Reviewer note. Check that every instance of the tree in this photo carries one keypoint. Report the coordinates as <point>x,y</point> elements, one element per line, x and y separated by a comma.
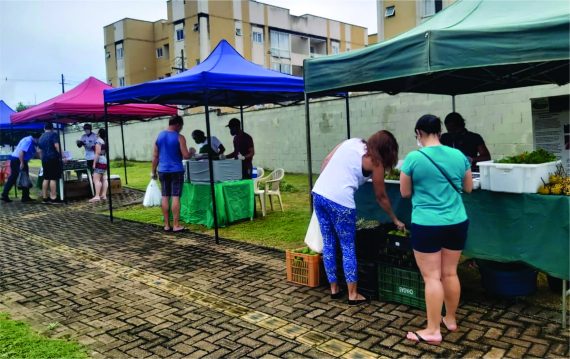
<point>21,107</point>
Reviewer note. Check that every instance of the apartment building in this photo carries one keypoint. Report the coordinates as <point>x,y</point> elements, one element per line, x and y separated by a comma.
<point>397,16</point>
<point>138,51</point>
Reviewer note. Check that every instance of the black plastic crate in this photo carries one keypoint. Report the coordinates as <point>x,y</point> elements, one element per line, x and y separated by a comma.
<point>369,242</point>
<point>367,277</point>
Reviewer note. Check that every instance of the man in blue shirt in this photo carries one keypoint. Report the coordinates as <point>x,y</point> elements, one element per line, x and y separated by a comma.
<point>50,153</point>
<point>24,152</point>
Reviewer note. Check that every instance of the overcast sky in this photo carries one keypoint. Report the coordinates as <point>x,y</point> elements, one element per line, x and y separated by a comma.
<point>42,39</point>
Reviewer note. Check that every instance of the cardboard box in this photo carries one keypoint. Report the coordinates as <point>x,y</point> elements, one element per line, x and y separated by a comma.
<point>77,189</point>
<point>116,186</point>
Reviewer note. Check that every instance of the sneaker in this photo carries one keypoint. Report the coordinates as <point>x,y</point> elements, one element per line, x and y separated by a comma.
<point>5,199</point>
<point>46,201</point>
<point>56,201</point>
<point>28,200</point>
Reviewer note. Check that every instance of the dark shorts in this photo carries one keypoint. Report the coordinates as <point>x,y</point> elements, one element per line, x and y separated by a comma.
<point>52,168</point>
<point>431,239</point>
<point>171,183</point>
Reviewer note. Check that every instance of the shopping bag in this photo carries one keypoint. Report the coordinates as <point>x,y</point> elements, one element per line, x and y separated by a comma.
<point>24,180</point>
<point>152,196</point>
<point>314,238</point>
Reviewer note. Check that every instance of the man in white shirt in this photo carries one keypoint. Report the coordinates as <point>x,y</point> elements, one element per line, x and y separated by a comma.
<point>217,148</point>
<point>88,142</point>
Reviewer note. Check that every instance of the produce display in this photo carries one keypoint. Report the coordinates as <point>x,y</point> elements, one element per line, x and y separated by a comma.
<point>558,183</point>
<point>306,250</point>
<point>534,157</point>
<point>397,232</point>
<point>393,174</point>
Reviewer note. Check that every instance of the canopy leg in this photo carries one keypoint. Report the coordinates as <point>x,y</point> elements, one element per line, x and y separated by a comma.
<point>309,158</point>
<point>211,168</point>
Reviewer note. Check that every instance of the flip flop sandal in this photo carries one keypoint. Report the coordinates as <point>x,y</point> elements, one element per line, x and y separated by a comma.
<point>338,294</point>
<point>169,229</point>
<point>419,339</point>
<point>178,230</point>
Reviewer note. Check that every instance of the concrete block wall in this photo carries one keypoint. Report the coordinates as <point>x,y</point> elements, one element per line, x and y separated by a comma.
<point>503,118</point>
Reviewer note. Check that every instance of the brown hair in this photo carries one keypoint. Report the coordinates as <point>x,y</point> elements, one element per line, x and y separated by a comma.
<point>382,148</point>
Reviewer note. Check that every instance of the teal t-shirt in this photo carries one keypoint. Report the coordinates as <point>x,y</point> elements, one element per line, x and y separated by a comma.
<point>434,201</point>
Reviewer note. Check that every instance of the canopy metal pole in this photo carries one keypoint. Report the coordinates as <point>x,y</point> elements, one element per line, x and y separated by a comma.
<point>309,158</point>
<point>63,132</point>
<point>211,167</point>
<point>124,156</point>
<point>347,117</point>
<point>241,116</point>
<point>108,155</point>
<point>453,102</point>
<point>62,194</point>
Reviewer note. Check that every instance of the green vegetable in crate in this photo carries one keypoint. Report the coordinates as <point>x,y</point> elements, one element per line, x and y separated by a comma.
<point>534,157</point>
<point>394,174</point>
<point>399,233</point>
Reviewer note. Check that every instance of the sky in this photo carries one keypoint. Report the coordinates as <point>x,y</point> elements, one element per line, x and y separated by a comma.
<point>42,39</point>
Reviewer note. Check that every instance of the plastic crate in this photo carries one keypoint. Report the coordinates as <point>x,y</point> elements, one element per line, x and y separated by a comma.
<point>404,286</point>
<point>303,269</point>
<point>367,277</point>
<point>507,279</point>
<point>514,178</point>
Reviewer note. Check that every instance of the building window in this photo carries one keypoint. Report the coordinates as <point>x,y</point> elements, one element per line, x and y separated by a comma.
<point>390,11</point>
<point>166,51</point>
<point>179,34</point>
<point>257,37</point>
<point>121,81</point>
<point>335,47</point>
<point>107,55</point>
<point>280,44</point>
<point>120,52</point>
<point>159,52</point>
<point>283,68</point>
<point>430,7</point>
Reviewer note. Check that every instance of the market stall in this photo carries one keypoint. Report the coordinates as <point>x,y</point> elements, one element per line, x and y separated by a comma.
<point>224,78</point>
<point>84,103</point>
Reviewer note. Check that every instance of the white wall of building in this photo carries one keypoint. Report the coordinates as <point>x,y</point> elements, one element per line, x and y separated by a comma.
<point>503,118</point>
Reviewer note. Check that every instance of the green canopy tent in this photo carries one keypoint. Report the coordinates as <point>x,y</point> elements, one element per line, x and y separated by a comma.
<point>471,46</point>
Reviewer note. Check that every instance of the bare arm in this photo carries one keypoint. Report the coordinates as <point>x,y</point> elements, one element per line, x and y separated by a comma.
<point>329,156</point>
<point>154,160</point>
<point>183,148</point>
<point>405,185</point>
<point>382,197</point>
<point>221,149</point>
<point>97,154</point>
<point>468,181</point>
<point>250,153</point>
<point>484,154</point>
<point>21,157</point>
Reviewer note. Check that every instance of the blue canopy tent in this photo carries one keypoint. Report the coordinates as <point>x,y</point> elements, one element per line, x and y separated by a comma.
<point>225,78</point>
<point>6,125</point>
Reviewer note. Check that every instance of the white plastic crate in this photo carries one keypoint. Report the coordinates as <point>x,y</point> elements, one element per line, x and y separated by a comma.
<point>514,178</point>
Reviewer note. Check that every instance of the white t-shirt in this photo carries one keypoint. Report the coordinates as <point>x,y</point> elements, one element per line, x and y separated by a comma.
<point>89,145</point>
<point>215,144</point>
<point>343,174</point>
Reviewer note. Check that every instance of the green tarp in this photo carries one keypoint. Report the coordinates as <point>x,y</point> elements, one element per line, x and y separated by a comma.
<point>234,201</point>
<point>471,46</point>
<point>503,227</point>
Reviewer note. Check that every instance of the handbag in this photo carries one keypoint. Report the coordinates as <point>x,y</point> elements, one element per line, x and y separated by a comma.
<point>443,173</point>
<point>314,238</point>
<point>24,181</point>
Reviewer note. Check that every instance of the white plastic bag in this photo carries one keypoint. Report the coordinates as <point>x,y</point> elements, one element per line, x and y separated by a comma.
<point>152,196</point>
<point>314,238</point>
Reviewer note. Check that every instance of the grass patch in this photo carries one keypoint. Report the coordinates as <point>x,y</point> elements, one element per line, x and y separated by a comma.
<point>18,340</point>
<point>282,230</point>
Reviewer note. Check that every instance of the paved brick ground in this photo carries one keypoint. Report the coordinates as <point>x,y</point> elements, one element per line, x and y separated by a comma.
<point>127,290</point>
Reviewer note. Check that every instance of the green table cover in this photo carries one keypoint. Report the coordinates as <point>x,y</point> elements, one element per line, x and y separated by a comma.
<point>504,227</point>
<point>234,201</point>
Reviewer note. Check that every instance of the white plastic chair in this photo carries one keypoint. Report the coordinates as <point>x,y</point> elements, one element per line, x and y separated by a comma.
<point>257,191</point>
<point>272,182</point>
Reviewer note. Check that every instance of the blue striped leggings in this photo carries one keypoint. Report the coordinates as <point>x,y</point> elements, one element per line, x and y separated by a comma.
<point>337,222</point>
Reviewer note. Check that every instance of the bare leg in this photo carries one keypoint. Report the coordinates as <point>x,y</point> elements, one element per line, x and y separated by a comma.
<point>104,186</point>
<point>430,266</point>
<point>45,185</point>
<point>334,288</point>
<point>353,291</point>
<point>53,189</point>
<point>97,184</point>
<point>176,214</point>
<point>165,212</point>
<point>451,285</point>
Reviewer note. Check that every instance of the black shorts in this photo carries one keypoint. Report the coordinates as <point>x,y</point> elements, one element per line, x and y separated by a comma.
<point>171,183</point>
<point>52,169</point>
<point>431,239</point>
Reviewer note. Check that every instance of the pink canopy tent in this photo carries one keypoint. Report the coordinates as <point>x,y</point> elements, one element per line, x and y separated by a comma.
<point>85,103</point>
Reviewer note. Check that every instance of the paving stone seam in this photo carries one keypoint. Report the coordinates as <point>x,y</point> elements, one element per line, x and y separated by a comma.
<point>308,336</point>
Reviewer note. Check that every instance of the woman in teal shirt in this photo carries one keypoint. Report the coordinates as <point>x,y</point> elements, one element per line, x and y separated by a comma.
<point>434,177</point>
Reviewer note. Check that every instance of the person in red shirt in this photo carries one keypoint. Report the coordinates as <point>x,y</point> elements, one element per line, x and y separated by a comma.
<point>243,147</point>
